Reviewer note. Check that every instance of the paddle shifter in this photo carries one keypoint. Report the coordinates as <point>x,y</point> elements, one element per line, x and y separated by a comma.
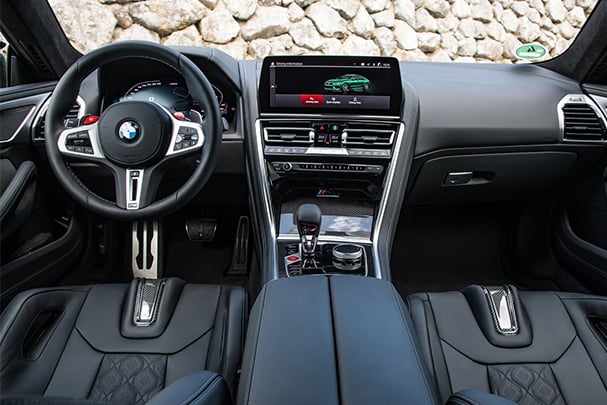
<point>308,218</point>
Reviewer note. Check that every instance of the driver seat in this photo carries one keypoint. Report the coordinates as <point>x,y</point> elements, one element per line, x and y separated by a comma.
<point>123,343</point>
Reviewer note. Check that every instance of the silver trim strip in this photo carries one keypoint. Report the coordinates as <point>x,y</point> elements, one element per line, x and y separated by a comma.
<point>20,127</point>
<point>578,99</point>
<point>330,116</point>
<point>133,203</point>
<point>387,194</point>
<point>327,239</point>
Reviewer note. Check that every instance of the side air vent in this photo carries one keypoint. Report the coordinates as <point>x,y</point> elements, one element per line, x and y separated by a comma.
<point>373,135</point>
<point>581,120</point>
<point>75,112</point>
<point>291,133</point>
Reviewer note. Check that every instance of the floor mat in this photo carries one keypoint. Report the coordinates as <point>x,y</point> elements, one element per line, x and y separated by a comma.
<point>444,248</point>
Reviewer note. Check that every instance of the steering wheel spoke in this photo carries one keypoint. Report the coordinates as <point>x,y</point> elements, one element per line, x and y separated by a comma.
<point>81,142</point>
<point>186,137</point>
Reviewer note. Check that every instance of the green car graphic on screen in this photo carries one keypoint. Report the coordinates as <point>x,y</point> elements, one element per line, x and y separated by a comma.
<point>349,82</point>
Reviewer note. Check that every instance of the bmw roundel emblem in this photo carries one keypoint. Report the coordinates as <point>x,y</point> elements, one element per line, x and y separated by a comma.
<point>129,131</point>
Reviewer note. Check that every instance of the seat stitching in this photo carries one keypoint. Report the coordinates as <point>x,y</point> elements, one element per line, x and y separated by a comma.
<point>412,345</point>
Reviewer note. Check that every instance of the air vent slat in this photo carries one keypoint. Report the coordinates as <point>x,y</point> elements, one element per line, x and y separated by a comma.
<point>581,122</point>
<point>292,133</point>
<point>73,113</point>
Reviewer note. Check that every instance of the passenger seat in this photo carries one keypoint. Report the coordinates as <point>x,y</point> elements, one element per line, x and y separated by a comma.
<point>530,347</point>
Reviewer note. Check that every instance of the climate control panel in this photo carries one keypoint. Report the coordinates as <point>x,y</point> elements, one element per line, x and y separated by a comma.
<point>285,167</point>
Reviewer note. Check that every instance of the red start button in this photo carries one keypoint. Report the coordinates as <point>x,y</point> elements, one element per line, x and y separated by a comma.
<point>311,100</point>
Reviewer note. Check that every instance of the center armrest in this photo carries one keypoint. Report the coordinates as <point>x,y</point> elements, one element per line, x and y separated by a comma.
<point>331,340</point>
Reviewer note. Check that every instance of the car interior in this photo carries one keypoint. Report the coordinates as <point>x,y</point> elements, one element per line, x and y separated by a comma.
<point>178,226</point>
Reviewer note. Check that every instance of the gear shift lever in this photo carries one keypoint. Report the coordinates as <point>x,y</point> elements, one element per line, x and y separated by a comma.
<point>308,218</point>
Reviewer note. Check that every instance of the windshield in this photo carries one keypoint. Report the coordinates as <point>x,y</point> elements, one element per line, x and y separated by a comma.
<point>502,31</point>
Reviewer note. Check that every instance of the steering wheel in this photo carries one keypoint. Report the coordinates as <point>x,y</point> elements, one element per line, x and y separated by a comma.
<point>135,140</point>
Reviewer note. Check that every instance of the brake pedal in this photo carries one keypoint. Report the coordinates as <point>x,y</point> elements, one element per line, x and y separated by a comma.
<point>201,230</point>
<point>240,256</point>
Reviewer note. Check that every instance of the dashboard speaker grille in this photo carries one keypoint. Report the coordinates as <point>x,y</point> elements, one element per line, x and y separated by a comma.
<point>581,122</point>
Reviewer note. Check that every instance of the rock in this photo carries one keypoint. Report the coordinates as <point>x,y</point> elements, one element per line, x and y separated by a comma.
<point>534,16</point>
<point>296,13</point>
<point>528,31</point>
<point>405,36</point>
<point>331,46</point>
<point>138,32</point>
<point>538,5</point>
<point>374,6</point>
<point>569,4</point>
<point>383,18</point>
<point>566,30</point>
<point>166,16</point>
<point>496,31</point>
<point>489,48</point>
<point>506,3</point>
<point>355,45</point>
<point>576,17</point>
<point>305,3</point>
<point>281,44</point>
<point>259,48</point>
<point>556,11</point>
<point>123,18</point>
<point>236,49</point>
<point>509,21</point>
<point>414,56</point>
<point>498,11</point>
<point>520,8</point>
<point>461,9</point>
<point>304,34</point>
<point>209,3</point>
<point>428,41</point>
<point>186,37</point>
<point>548,39</point>
<point>418,3</point>
<point>346,8</point>
<point>482,11</point>
<point>440,55</point>
<point>437,8</point>
<point>447,24</point>
<point>561,46</point>
<point>470,28</point>
<point>449,43</point>
<point>424,21</point>
<point>385,41</point>
<point>87,24</point>
<point>242,9</point>
<point>547,24</point>
<point>267,22</point>
<point>328,21</point>
<point>466,47</point>
<point>219,27</point>
<point>269,2</point>
<point>362,24</point>
<point>585,3</point>
<point>405,10</point>
<point>510,44</point>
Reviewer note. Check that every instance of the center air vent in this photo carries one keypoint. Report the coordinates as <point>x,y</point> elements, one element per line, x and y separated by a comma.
<point>369,135</point>
<point>291,133</point>
<point>581,121</point>
<point>76,112</point>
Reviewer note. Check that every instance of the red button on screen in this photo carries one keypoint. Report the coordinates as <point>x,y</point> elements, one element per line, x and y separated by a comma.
<point>311,100</point>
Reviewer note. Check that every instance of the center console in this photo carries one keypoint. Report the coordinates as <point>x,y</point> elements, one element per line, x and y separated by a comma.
<point>329,135</point>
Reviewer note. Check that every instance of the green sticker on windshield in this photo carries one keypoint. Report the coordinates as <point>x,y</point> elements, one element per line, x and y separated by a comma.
<point>530,51</point>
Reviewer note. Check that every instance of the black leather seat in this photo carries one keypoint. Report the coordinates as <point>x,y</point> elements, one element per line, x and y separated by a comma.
<point>124,343</point>
<point>530,347</point>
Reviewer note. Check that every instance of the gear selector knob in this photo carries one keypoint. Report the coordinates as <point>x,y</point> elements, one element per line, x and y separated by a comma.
<point>308,218</point>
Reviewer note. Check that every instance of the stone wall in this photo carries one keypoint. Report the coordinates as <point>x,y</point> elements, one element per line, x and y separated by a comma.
<point>436,30</point>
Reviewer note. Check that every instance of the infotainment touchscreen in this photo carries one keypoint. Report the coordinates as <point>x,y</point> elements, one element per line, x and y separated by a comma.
<point>330,84</point>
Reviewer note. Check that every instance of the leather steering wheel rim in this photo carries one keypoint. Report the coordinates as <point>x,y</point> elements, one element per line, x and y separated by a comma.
<point>65,94</point>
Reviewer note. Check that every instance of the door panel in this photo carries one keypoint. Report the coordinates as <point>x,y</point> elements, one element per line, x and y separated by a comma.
<point>40,238</point>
